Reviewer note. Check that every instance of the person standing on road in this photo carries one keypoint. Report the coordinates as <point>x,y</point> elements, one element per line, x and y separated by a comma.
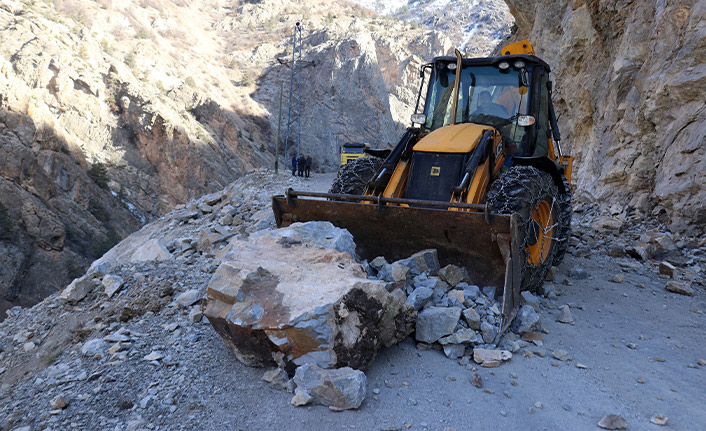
<point>294,164</point>
<point>307,166</point>
<point>301,162</point>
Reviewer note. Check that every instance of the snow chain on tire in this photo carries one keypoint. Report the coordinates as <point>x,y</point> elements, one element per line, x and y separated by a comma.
<point>354,176</point>
<point>530,193</point>
<point>565,210</point>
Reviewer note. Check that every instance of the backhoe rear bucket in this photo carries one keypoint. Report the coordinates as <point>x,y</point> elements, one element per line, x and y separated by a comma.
<point>486,245</point>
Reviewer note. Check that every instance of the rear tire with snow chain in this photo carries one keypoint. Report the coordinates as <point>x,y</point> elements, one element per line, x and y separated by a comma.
<point>565,210</point>
<point>354,176</point>
<point>531,194</point>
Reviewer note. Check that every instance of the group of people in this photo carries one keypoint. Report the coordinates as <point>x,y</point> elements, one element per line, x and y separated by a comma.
<point>301,165</point>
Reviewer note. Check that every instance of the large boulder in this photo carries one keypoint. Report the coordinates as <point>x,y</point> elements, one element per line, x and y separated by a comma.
<point>305,296</point>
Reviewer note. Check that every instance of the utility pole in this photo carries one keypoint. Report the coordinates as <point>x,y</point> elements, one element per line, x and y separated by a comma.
<point>295,100</point>
<point>279,126</point>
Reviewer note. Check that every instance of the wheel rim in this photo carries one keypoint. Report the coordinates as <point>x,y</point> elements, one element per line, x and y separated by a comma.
<point>543,218</point>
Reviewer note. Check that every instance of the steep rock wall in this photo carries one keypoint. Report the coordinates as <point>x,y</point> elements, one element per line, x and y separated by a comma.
<point>630,78</point>
<point>361,88</point>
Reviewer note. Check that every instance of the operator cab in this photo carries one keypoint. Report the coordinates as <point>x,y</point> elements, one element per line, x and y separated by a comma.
<point>508,93</point>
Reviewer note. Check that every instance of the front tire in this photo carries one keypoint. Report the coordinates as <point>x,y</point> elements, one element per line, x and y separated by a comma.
<point>565,210</point>
<point>532,194</point>
<point>353,177</point>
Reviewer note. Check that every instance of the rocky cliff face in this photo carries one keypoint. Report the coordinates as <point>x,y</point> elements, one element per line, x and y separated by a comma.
<point>174,111</point>
<point>54,219</point>
<point>86,84</point>
<point>360,89</point>
<point>630,77</point>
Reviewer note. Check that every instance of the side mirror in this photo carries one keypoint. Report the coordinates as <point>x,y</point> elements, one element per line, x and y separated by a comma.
<point>419,119</point>
<point>524,78</point>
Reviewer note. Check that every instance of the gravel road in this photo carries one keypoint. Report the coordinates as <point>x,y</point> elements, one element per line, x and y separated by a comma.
<point>634,351</point>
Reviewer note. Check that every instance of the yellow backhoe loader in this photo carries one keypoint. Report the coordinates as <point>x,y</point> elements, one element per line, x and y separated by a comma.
<point>479,176</point>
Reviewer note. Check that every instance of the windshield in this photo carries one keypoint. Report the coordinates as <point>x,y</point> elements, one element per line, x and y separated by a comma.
<point>487,95</point>
<point>353,148</point>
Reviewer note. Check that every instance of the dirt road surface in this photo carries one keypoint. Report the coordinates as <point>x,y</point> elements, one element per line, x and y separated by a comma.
<point>634,351</point>
<point>621,333</point>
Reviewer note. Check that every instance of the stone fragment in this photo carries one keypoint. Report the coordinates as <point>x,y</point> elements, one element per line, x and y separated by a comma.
<point>151,250</point>
<point>527,320</point>
<point>578,273</point>
<point>458,294</point>
<point>112,284</point>
<point>551,274</point>
<point>529,299</point>
<point>301,398</point>
<point>314,303</point>
<point>277,377</point>
<point>702,362</point>
<point>477,380</point>
<point>438,298</point>
<point>196,314</point>
<point>489,291</point>
<point>396,273</point>
<point>94,347</point>
<point>434,283</point>
<point>659,420</point>
<point>99,270</point>
<point>419,297</point>
<point>342,388</point>
<point>29,346</point>
<point>667,269</point>
<point>188,298</point>
<point>436,322</point>
<point>470,293</point>
<point>616,251</point>
<point>207,239</point>
<point>618,278</point>
<point>154,356</point>
<point>59,402</point>
<point>561,355</point>
<point>484,357</point>
<point>679,287</point>
<point>565,315</point>
<point>613,422</point>
<point>78,289</point>
<point>489,332</point>
<point>472,318</point>
<point>608,224</point>
<point>425,261</point>
<point>640,251</point>
<point>453,275</point>
<point>212,198</point>
<point>378,263</point>
<point>454,351</point>
<point>462,336</point>
<point>115,348</point>
<point>116,337</point>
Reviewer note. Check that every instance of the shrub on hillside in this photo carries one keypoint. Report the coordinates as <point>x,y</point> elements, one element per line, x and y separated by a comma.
<point>5,224</point>
<point>99,174</point>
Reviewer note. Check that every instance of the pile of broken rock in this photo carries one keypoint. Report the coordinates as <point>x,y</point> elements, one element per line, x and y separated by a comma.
<point>298,299</point>
<point>455,315</point>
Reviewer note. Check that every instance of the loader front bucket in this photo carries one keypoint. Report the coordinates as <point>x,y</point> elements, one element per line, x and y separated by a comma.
<point>486,245</point>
